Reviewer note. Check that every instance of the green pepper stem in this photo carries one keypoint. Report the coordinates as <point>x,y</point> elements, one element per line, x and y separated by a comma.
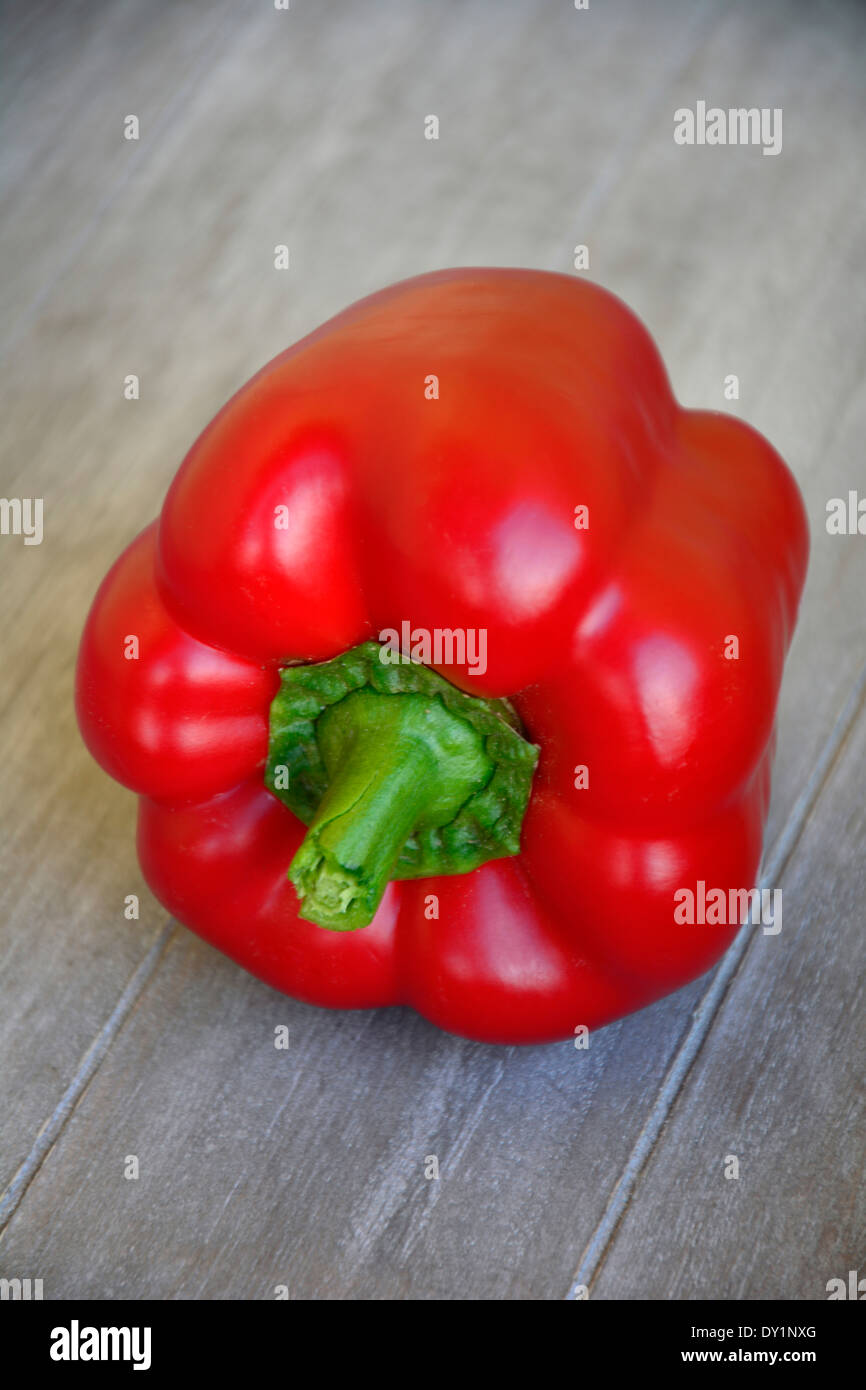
<point>395,763</point>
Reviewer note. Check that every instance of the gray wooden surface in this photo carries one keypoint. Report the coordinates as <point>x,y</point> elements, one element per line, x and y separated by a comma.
<point>559,1168</point>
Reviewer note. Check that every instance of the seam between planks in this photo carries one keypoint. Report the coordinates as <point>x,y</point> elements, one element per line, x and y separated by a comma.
<point>87,1069</point>
<point>602,1238</point>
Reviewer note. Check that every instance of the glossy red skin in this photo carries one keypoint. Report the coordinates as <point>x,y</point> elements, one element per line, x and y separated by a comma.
<point>449,513</point>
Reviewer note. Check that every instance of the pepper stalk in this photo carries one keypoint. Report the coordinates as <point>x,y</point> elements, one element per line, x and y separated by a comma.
<point>397,773</point>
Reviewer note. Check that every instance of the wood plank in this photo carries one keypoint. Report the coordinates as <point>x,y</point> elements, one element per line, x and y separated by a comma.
<point>71,73</point>
<point>316,1179</point>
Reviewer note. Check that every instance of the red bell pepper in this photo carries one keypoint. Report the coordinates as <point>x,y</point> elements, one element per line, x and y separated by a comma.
<point>452,658</point>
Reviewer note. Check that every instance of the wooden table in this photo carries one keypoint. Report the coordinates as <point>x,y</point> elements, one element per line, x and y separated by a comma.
<point>155,257</point>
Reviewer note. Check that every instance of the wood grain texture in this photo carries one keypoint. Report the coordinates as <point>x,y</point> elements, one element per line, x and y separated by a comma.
<point>71,74</point>
<point>780,1086</point>
<point>306,1168</point>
